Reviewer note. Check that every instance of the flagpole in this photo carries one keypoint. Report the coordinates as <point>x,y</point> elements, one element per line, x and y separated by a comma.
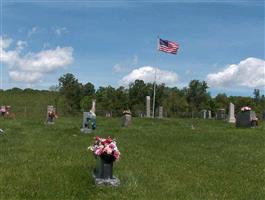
<point>1,7</point>
<point>154,96</point>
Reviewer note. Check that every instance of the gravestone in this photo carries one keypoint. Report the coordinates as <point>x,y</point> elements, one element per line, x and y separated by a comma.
<point>126,118</point>
<point>246,119</point>
<point>160,112</point>
<point>108,114</point>
<point>93,108</point>
<point>148,106</point>
<point>220,114</point>
<point>103,173</point>
<point>89,122</point>
<point>89,119</point>
<point>209,114</point>
<point>51,113</point>
<point>204,114</point>
<point>231,114</point>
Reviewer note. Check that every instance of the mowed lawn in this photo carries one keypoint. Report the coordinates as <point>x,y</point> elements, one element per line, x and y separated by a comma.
<point>160,159</point>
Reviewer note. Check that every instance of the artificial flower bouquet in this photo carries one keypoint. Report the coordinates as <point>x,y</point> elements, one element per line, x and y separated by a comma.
<point>106,149</point>
<point>245,108</point>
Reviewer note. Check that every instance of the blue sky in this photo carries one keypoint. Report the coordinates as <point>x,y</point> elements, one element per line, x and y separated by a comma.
<point>113,42</point>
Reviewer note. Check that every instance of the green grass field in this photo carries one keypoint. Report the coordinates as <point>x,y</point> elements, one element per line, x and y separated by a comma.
<point>161,159</point>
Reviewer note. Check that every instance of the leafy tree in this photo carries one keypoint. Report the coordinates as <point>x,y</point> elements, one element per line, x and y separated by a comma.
<point>137,95</point>
<point>175,104</point>
<point>86,103</point>
<point>121,99</point>
<point>71,90</point>
<point>197,94</point>
<point>88,89</point>
<point>221,100</point>
<point>105,99</point>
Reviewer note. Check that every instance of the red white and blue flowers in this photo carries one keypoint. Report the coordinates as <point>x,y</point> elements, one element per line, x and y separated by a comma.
<point>105,147</point>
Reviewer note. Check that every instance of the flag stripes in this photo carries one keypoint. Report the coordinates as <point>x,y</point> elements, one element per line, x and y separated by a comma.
<point>168,46</point>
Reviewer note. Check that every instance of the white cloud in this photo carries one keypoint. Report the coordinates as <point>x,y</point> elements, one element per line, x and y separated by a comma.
<point>21,45</point>
<point>147,74</point>
<point>30,67</point>
<point>27,77</point>
<point>60,30</point>
<point>46,60</point>
<point>118,68</point>
<point>5,42</point>
<point>32,31</point>
<point>248,73</point>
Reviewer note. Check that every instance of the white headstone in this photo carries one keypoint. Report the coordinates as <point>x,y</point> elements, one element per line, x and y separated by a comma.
<point>204,114</point>
<point>148,106</point>
<point>160,112</point>
<point>231,114</point>
<point>93,108</point>
<point>209,114</point>
<point>88,121</point>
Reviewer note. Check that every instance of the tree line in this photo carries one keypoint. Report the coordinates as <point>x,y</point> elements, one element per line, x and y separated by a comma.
<point>70,96</point>
<point>176,102</point>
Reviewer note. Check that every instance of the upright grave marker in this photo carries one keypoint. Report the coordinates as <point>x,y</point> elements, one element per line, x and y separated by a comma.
<point>209,114</point>
<point>148,106</point>
<point>204,114</point>
<point>106,152</point>
<point>231,114</point>
<point>221,114</point>
<point>246,118</point>
<point>160,112</point>
<point>89,119</point>
<point>126,118</point>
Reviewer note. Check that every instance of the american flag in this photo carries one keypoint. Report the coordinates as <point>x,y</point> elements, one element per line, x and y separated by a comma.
<point>168,46</point>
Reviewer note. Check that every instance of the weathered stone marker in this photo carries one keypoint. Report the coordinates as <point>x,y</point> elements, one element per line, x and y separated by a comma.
<point>220,114</point>
<point>246,119</point>
<point>204,112</point>
<point>231,114</point>
<point>89,119</point>
<point>126,118</point>
<point>160,112</point>
<point>209,114</point>
<point>148,106</point>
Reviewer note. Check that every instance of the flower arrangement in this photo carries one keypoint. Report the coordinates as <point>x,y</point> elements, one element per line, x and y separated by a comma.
<point>245,108</point>
<point>105,148</point>
<point>52,114</point>
<point>126,112</point>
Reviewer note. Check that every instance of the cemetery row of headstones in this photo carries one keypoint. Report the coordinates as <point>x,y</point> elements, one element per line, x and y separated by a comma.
<point>148,109</point>
<point>245,118</point>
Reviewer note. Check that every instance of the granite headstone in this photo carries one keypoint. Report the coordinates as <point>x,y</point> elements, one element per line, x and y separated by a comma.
<point>148,106</point>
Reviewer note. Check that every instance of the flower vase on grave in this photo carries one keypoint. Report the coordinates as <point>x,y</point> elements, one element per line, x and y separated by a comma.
<point>106,153</point>
<point>104,168</point>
